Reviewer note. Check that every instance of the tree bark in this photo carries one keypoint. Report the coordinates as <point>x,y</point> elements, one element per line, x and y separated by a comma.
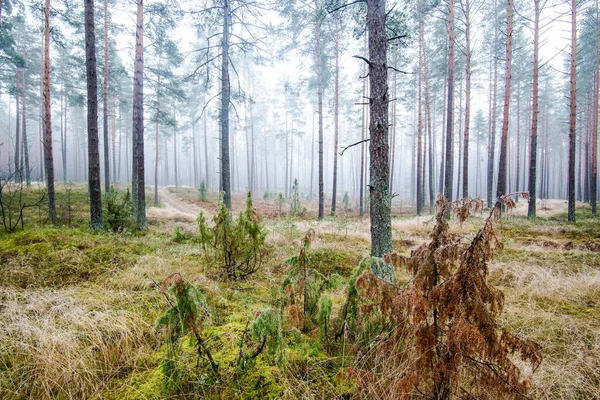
<point>336,109</point>
<point>48,154</point>
<point>594,144</point>
<point>138,179</point>
<point>573,113</point>
<point>420,116</point>
<point>449,159</point>
<point>362,138</point>
<point>24,133</point>
<point>465,166</point>
<point>225,100</point>
<point>92,119</point>
<point>320,107</point>
<point>502,169</point>
<point>381,223</point>
<point>492,133</point>
<point>105,103</point>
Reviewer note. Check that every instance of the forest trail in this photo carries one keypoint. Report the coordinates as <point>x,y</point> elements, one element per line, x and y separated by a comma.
<point>178,206</point>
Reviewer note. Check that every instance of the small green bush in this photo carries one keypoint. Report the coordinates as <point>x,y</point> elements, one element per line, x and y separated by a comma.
<point>237,248</point>
<point>118,213</point>
<point>203,192</point>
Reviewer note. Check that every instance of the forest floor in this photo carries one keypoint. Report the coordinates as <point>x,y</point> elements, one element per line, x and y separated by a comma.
<point>78,309</point>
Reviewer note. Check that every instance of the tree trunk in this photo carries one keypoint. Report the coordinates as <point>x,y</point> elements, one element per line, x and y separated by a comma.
<point>48,154</point>
<point>156,150</point>
<point>573,113</point>
<point>105,103</point>
<point>442,143</point>
<point>449,159</point>
<point>381,223</point>
<point>138,179</point>
<point>225,100</point>
<point>594,144</point>
<point>429,131</point>
<point>336,110</point>
<point>24,133</point>
<point>195,151</point>
<point>362,138</point>
<point>319,107</point>
<point>206,173</point>
<point>465,166</point>
<point>492,133</point>
<point>175,163</point>
<point>92,118</point>
<point>17,159</point>
<point>420,116</point>
<point>502,169</point>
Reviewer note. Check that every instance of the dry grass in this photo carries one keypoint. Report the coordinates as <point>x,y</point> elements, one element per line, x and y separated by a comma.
<point>64,344</point>
<point>93,337</point>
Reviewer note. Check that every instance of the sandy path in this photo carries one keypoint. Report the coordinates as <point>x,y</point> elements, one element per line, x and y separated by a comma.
<point>173,204</point>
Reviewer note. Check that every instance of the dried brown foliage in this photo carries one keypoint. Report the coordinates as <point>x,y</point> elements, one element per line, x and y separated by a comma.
<point>446,341</point>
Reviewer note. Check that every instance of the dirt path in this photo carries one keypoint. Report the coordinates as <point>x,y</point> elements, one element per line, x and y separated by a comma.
<point>172,203</point>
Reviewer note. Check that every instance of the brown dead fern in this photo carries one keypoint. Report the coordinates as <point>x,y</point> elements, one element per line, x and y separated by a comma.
<point>446,341</point>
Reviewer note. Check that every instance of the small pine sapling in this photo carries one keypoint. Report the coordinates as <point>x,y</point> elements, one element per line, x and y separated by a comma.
<point>280,201</point>
<point>184,316</point>
<point>296,208</point>
<point>118,215</point>
<point>236,248</point>
<point>203,192</point>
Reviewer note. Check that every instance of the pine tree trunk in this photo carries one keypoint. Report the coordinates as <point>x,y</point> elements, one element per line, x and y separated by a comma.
<point>465,177</point>
<point>573,113</point>
<point>492,136</point>
<point>138,179</point>
<point>502,169</point>
<point>594,145</point>
<point>175,163</point>
<point>518,143</point>
<point>18,171</point>
<point>320,109</point>
<point>48,154</point>
<point>420,117</point>
<point>92,119</point>
<point>443,141</point>
<point>362,138</point>
<point>225,100</point>
<point>156,151</point>
<point>206,172</point>
<point>24,133</point>
<point>449,159</point>
<point>336,110</point>
<point>105,103</point>
<point>531,208</point>
<point>195,151</point>
<point>381,224</point>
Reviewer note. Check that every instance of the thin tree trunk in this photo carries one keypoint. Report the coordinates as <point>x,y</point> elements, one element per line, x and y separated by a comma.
<point>465,177</point>
<point>92,119</point>
<point>492,133</point>
<point>573,113</point>
<point>17,159</point>
<point>195,151</point>
<point>449,159</point>
<point>206,172</point>
<point>225,100</point>
<point>531,208</point>
<point>105,103</point>
<point>336,110</point>
<point>175,163</point>
<point>48,155</point>
<point>420,116</point>
<point>362,138</point>
<point>594,149</point>
<point>24,133</point>
<point>320,109</point>
<point>138,179</point>
<point>156,151</point>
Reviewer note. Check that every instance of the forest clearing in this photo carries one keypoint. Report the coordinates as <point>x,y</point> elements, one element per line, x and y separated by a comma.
<point>316,199</point>
<point>79,308</point>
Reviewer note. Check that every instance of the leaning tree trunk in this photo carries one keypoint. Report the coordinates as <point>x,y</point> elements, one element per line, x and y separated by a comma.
<point>48,154</point>
<point>225,100</point>
<point>92,118</point>
<point>449,159</point>
<point>381,223</point>
<point>573,113</point>
<point>138,180</point>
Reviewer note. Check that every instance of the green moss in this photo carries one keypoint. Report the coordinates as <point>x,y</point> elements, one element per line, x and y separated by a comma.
<point>329,261</point>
